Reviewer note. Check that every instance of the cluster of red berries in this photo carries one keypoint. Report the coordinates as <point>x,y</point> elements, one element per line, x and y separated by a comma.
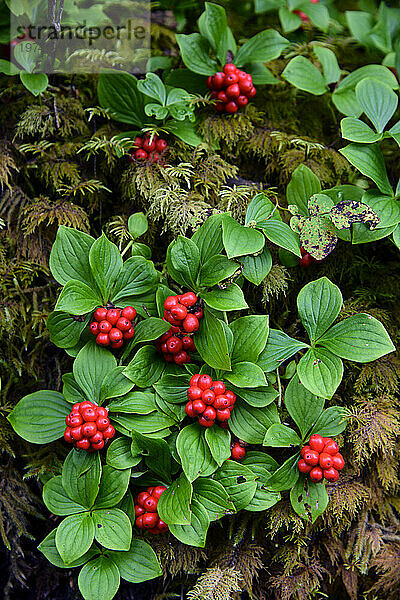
<point>238,450</point>
<point>112,326</point>
<point>146,510</point>
<point>88,427</point>
<point>321,459</point>
<point>150,148</point>
<point>306,259</point>
<point>183,312</point>
<point>209,400</point>
<point>231,88</point>
<point>305,18</point>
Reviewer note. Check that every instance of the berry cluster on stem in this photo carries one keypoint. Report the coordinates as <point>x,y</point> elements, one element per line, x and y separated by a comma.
<point>88,426</point>
<point>231,88</point>
<point>112,326</point>
<point>146,510</point>
<point>321,459</point>
<point>150,148</point>
<point>184,312</point>
<point>209,400</point>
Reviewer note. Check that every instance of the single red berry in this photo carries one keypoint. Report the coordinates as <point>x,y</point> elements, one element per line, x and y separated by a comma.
<point>89,429</point>
<point>224,425</point>
<point>150,504</point>
<point>76,433</point>
<point>154,157</point>
<point>304,450</point>
<point>189,410</point>
<point>331,448</point>
<point>161,526</point>
<point>209,82</point>
<point>199,313</point>
<point>105,326</point>
<point>94,328</point>
<point>221,402</point>
<point>230,79</point>
<point>208,397</point>
<point>113,315</point>
<point>166,336</point>
<point>117,345</point>
<point>181,358</point>
<point>123,324</point>
<point>89,414</point>
<point>311,457</point>
<point>331,474</point>
<point>129,313</point>
<point>154,530</point>
<point>231,107</point>
<point>224,414</point>
<point>109,432</point>
<point>198,407</point>
<point>237,452</point>
<point>102,411</point>
<point>150,520</point>
<point>252,92</point>
<point>194,393</point>
<point>222,97</point>
<point>194,380</point>
<point>100,314</point>
<point>128,335</point>
<point>190,323</point>
<point>161,145</point>
<point>188,299</point>
<point>179,312</point>
<point>303,251</point>
<point>115,335</point>
<point>316,474</point>
<point>149,145</point>
<point>218,387</point>
<point>325,460</point>
<point>138,142</point>
<point>87,404</point>
<point>229,68</point>
<point>316,442</point>
<point>204,423</point>
<point>303,466</point>
<point>139,522</point>
<point>174,345</point>
<point>188,344</point>
<point>209,414</point>
<point>142,497</point>
<point>170,302</point>
<point>102,423</point>
<point>140,155</point>
<point>233,91</point>
<point>76,406</point>
<point>67,435</point>
<point>231,396</point>
<point>103,339</point>
<point>97,437</point>
<point>218,80</point>
<point>245,86</point>
<point>83,444</point>
<point>150,490</point>
<point>338,461</point>
<point>139,510</point>
<point>327,440</point>
<point>75,420</point>
<point>204,382</point>
<point>220,107</point>
<point>242,101</point>
<point>158,490</point>
<point>305,261</point>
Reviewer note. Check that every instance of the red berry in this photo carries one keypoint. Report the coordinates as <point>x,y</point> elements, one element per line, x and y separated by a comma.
<point>209,82</point>
<point>75,420</point>
<point>97,437</point>
<point>129,313</point>
<point>230,79</point>
<point>113,315</point>
<point>139,510</point>
<point>123,324</point>
<point>242,101</point>
<point>150,520</point>
<point>161,145</point>
<point>102,412</point>
<point>237,452</point>
<point>158,490</point>
<point>181,358</point>
<point>194,393</point>
<point>117,345</point>
<point>67,435</point>
<point>179,312</point>
<point>170,302</point>
<point>188,344</point>
<point>304,450</point>
<point>303,252</point>
<point>229,68</point>
<point>105,326</point>
<point>102,423</point>
<point>233,91</point>
<point>109,432</point>
<point>83,444</point>
<point>305,261</point>
<point>231,396</point>
<point>224,425</point>
<point>316,442</point>
<point>204,382</point>
<point>331,474</point>
<point>115,335</point>
<point>128,335</point>
<point>198,407</point>
<point>199,313</point>
<point>103,339</point>
<point>89,429</point>
<point>204,423</point>
<point>174,345</point>
<point>142,497</point>
<point>221,402</point>
<point>154,157</point>
<point>303,466</point>
<point>209,414</point>
<point>140,155</point>
<point>89,414</point>
<point>161,526</point>
<point>218,80</point>
<point>252,92</point>
<point>222,97</point>
<point>338,461</point>
<point>76,433</point>
<point>218,387</point>
<point>138,142</point>
<point>100,314</point>
<point>311,457</point>
<point>316,474</point>
<point>231,107</point>
<point>194,380</point>
<point>86,404</point>
<point>220,107</point>
<point>150,504</point>
<point>139,522</point>
<point>148,145</point>
<point>224,414</point>
<point>208,397</point>
<point>191,323</point>
<point>188,299</point>
<point>168,357</point>
<point>165,336</point>
<point>245,86</point>
<point>94,327</point>
<point>325,460</point>
<point>189,410</point>
<point>331,447</point>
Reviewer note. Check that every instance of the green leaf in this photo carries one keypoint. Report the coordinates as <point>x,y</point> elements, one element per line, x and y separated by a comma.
<point>137,277</point>
<point>225,299</point>
<point>361,338</point>
<point>194,52</point>
<point>77,298</point>
<point>219,442</point>
<point>259,209</point>
<point>303,406</point>
<point>238,481</point>
<point>320,371</point>
<point>211,342</point>
<point>331,421</point>
<point>358,131</point>
<point>173,388</point>
<point>99,578</point>
<point>146,367</point>
<point>156,110</point>
<point>64,330</point>
<point>279,347</point>
<point>263,47</point>
<point>113,487</point>
<point>289,21</point>
<point>174,504</point>
<point>112,528</point>
<point>246,375</point>
<point>91,366</point>
<point>258,397</point>
<point>377,100</point>
<point>146,424</point>
<point>57,500</point>
<point>216,269</point>
<point>301,73</point>
<point>250,424</point>
<point>117,91</point>
<point>214,28</point>
<point>279,233</point>
<point>256,268</point>
<point>329,63</point>
<point>369,161</point>
<point>137,225</point>
<point>114,384</point>
<point>139,564</point>
<point>153,87</point>
<point>261,75</point>
<point>286,476</point>
<point>239,240</point>
<point>39,418</point>
<point>197,460</point>
<point>119,455</point>
<point>71,390</point>
<point>319,303</point>
<point>213,496</point>
<point>184,257</point>
<point>69,256</point>
<point>194,534</point>
<point>386,208</point>
<point>318,14</point>
<point>156,453</point>
<point>105,263</point>
<point>81,475</point>
<point>250,335</point>
<point>263,498</point>
<point>303,184</point>
<point>48,548</point>
<point>150,329</point>
<point>208,238</point>
<point>308,499</point>
<point>142,403</point>
<point>36,83</point>
<point>280,436</point>
<point>74,536</point>
<point>184,130</point>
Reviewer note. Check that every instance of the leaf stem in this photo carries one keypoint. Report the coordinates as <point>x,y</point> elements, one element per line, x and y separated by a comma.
<point>279,388</point>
